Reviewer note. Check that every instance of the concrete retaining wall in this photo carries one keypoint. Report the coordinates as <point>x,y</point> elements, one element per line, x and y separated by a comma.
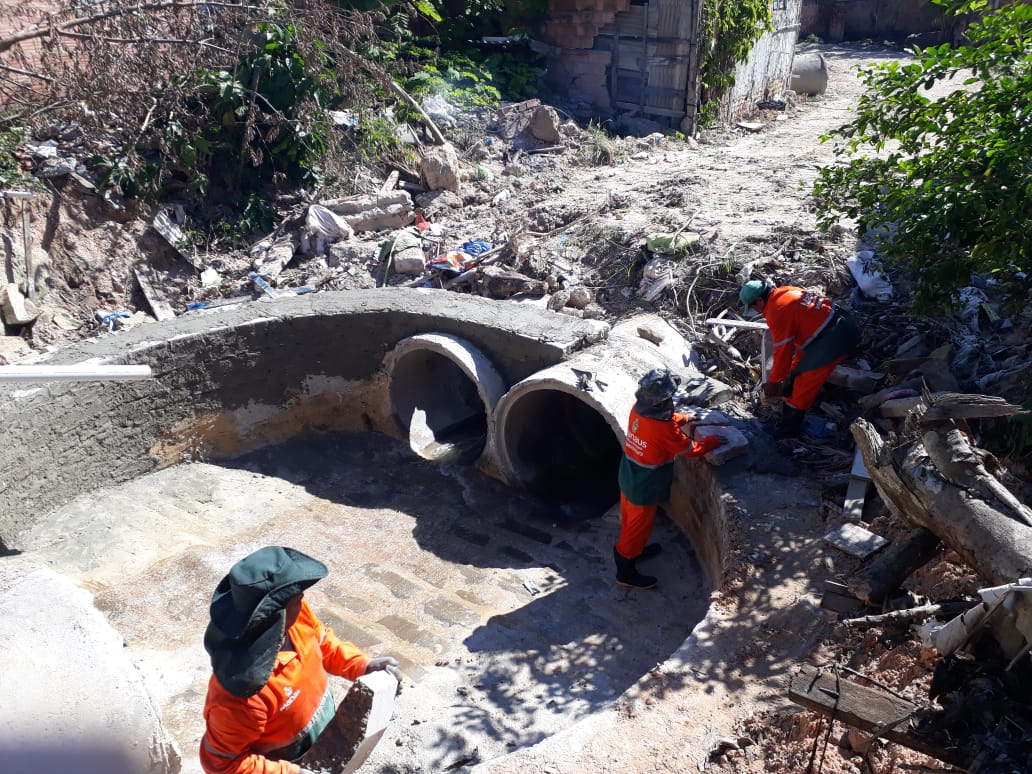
<point>231,380</point>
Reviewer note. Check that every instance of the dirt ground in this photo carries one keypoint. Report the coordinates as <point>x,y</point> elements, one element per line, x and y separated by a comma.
<point>576,225</point>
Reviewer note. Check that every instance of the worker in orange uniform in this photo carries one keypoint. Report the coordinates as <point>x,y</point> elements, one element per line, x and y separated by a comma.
<point>655,438</point>
<point>269,698</point>
<point>811,336</point>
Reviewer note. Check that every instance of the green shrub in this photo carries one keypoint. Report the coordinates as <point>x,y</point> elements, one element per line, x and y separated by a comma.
<point>945,183</point>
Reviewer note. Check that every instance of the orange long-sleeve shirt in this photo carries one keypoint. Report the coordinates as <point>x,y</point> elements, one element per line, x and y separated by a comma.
<point>241,731</point>
<point>795,317</point>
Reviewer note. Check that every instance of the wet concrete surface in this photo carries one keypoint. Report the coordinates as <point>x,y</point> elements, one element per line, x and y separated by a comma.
<point>499,606</point>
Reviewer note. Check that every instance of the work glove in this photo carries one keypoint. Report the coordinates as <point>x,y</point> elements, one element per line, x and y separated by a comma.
<point>772,389</point>
<point>387,664</point>
<point>710,442</point>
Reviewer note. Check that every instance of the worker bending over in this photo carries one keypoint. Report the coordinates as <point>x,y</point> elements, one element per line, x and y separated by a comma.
<point>811,336</point>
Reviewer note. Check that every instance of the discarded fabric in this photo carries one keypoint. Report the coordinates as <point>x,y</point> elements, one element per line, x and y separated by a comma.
<point>112,320</point>
<point>476,247</point>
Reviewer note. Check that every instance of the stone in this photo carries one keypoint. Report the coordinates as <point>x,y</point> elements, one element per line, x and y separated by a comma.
<point>16,309</point>
<point>13,348</point>
<point>439,168</point>
<point>374,213</point>
<point>704,391</point>
<point>544,125</point>
<point>580,297</point>
<point>357,726</point>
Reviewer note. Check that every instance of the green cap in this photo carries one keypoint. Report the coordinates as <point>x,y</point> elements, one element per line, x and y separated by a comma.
<point>750,291</point>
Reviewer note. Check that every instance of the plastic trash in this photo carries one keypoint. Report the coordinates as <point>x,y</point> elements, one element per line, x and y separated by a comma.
<point>657,275</point>
<point>869,277</point>
<point>112,320</point>
<point>321,221</point>
<point>815,427</point>
<point>439,109</point>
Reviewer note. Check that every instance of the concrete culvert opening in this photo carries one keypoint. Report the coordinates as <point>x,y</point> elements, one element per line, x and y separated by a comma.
<point>441,391</point>
<point>563,450</point>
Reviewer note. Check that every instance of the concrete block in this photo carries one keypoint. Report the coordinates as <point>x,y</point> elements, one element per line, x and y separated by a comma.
<point>357,726</point>
<point>707,416</point>
<point>735,443</point>
<point>855,378</point>
<point>855,540</point>
<point>16,309</point>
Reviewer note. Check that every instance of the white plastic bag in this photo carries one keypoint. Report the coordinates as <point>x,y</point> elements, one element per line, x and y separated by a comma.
<point>871,281</point>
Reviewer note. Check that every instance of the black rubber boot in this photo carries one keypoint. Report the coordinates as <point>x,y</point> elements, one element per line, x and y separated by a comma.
<point>627,574</point>
<point>791,422</point>
<point>651,550</point>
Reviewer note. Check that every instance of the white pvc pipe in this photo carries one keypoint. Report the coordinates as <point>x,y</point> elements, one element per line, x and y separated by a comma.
<point>73,373</point>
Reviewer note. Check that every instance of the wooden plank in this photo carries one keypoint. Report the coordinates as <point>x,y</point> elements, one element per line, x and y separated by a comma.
<point>650,109</point>
<point>756,326</point>
<point>390,183</point>
<point>868,709</point>
<point>159,306</point>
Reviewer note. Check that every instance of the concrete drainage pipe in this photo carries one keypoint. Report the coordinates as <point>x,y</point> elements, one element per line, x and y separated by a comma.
<point>443,391</point>
<point>559,433</point>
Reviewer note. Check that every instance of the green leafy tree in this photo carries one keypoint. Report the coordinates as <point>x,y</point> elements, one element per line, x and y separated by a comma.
<point>732,27</point>
<point>945,184</point>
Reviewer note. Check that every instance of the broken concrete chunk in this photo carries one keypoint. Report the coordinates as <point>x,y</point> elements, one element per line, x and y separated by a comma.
<point>360,721</point>
<point>16,309</point>
<point>494,282</point>
<point>373,213</point>
<point>545,125</point>
<point>409,260</point>
<point>734,443</point>
<point>439,168</point>
<point>704,391</point>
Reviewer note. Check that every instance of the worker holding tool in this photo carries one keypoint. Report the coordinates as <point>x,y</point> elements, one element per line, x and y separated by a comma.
<point>269,698</point>
<point>811,336</point>
<point>655,438</point>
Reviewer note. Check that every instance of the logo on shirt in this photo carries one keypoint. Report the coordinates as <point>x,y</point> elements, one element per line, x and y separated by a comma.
<point>634,426</point>
<point>291,696</point>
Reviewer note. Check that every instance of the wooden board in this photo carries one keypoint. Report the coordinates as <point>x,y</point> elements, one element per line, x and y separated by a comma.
<point>159,306</point>
<point>869,709</point>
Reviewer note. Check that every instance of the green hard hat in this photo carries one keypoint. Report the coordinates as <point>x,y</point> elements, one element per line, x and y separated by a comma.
<point>750,291</point>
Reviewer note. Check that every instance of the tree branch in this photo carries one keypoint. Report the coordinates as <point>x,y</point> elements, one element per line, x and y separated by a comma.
<point>32,33</point>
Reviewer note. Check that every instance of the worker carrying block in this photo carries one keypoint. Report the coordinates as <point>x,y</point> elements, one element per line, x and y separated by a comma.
<point>655,438</point>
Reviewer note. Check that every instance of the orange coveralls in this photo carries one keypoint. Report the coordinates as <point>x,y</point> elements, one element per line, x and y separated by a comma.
<point>795,318</point>
<point>646,472</point>
<point>241,732</point>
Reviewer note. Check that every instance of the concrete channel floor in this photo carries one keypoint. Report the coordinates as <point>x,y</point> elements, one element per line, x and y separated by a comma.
<point>501,608</point>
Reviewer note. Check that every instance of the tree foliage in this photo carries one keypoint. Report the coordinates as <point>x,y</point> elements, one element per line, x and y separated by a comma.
<point>731,28</point>
<point>945,184</point>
